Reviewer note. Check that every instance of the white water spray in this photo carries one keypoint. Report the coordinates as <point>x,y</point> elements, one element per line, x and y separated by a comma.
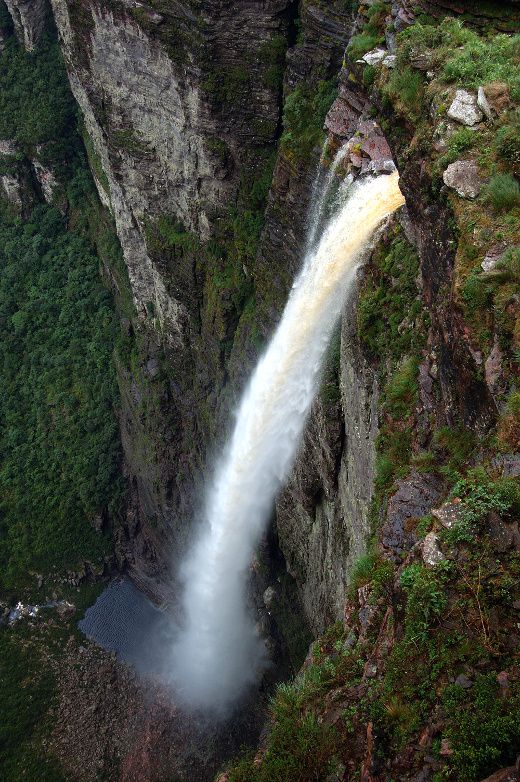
<point>218,651</point>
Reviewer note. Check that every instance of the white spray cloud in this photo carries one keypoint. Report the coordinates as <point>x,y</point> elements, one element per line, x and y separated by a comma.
<point>218,652</point>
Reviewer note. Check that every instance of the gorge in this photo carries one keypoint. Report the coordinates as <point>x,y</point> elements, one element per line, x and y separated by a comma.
<point>157,171</point>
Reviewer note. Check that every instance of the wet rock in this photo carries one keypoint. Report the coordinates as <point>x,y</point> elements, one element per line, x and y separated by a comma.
<point>431,552</point>
<point>413,499</point>
<point>511,774</point>
<point>463,177</point>
<point>449,513</point>
<point>464,108</point>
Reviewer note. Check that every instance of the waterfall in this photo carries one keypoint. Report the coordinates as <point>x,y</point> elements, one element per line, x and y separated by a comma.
<point>218,651</point>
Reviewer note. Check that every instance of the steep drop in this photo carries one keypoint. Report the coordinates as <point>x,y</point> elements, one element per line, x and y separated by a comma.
<point>218,651</point>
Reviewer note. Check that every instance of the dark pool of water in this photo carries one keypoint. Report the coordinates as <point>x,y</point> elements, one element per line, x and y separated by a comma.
<point>124,621</point>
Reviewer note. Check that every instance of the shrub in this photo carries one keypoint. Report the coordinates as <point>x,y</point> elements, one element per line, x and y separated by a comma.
<point>405,88</point>
<point>304,113</point>
<point>507,143</point>
<point>502,192</point>
<point>483,729</point>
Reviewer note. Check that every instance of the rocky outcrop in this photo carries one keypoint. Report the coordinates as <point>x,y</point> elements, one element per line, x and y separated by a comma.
<point>30,19</point>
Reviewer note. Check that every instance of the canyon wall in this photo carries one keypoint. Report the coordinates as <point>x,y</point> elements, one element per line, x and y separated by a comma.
<point>181,111</point>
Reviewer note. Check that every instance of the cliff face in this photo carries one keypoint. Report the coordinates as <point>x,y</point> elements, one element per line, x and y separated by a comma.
<point>180,102</point>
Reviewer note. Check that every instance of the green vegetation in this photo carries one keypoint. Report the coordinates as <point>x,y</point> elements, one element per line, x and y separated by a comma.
<point>304,113</point>
<point>484,727</point>
<point>389,302</point>
<point>480,495</point>
<point>273,54</point>
<point>507,142</point>
<point>372,33</point>
<point>59,442</point>
<point>36,105</point>
<point>405,88</point>
<point>227,86</point>
<point>503,192</point>
<point>27,689</point>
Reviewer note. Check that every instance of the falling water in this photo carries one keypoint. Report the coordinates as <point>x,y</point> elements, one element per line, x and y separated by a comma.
<point>218,651</point>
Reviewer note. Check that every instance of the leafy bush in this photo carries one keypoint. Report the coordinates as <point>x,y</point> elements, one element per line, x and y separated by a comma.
<point>273,53</point>
<point>389,302</point>
<point>425,599</point>
<point>484,729</point>
<point>480,495</point>
<point>372,33</point>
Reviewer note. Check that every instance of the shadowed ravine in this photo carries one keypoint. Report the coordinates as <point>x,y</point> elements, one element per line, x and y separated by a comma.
<point>219,652</point>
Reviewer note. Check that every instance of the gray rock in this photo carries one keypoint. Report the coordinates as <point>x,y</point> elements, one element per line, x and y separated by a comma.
<point>493,256</point>
<point>463,177</point>
<point>483,104</point>
<point>29,19</point>
<point>493,369</point>
<point>413,499</point>
<point>463,681</point>
<point>509,464</point>
<point>464,108</point>
<point>431,552</point>
<point>449,513</point>
<point>389,61</point>
<point>374,57</point>
<point>269,596</point>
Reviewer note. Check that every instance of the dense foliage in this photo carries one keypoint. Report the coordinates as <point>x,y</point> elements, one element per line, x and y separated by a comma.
<point>59,442</point>
<point>36,105</point>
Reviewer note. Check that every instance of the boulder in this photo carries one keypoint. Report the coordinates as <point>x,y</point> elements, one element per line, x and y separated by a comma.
<point>449,513</point>
<point>463,177</point>
<point>493,256</point>
<point>413,499</point>
<point>465,109</point>
<point>389,61</point>
<point>431,552</point>
<point>483,104</point>
<point>374,57</point>
<point>509,464</point>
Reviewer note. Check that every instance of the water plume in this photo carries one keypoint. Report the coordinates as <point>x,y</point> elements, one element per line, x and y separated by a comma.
<point>218,651</point>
